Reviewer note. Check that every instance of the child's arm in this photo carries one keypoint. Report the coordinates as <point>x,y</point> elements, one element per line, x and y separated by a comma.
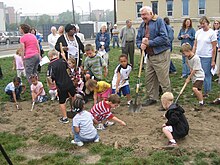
<point>40,91</point>
<point>95,121</point>
<point>23,88</point>
<point>118,81</point>
<point>105,71</point>
<point>190,76</point>
<point>119,121</point>
<point>95,97</point>
<point>76,129</point>
<point>14,64</point>
<point>14,97</point>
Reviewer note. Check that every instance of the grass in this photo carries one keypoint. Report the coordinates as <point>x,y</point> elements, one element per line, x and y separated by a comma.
<point>108,155</point>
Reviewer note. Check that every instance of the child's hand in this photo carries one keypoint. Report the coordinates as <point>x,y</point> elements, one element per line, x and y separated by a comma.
<point>106,73</point>
<point>188,80</point>
<point>123,123</point>
<point>117,90</point>
<point>164,125</point>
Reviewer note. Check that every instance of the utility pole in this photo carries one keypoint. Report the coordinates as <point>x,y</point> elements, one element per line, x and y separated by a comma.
<point>73,12</point>
<point>90,13</point>
<point>115,17</point>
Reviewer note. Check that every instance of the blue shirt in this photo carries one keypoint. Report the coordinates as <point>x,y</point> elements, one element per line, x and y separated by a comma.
<point>191,32</point>
<point>158,39</point>
<point>102,37</point>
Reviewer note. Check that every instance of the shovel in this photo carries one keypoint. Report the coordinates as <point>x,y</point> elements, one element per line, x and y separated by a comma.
<point>32,107</point>
<point>184,86</point>
<point>134,107</point>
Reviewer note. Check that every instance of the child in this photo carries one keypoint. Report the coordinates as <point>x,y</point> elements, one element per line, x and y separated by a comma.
<point>57,71</point>
<point>176,126</point>
<point>37,90</point>
<point>14,89</point>
<point>93,64</point>
<point>18,63</point>
<point>120,82</point>
<point>52,88</point>
<point>101,111</point>
<point>101,89</point>
<point>197,74</point>
<point>82,127</point>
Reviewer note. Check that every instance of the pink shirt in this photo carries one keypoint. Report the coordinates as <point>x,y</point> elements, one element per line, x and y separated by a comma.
<point>30,45</point>
<point>36,88</point>
<point>19,62</point>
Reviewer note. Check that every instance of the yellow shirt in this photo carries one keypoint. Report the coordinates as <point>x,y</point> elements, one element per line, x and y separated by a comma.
<point>101,87</point>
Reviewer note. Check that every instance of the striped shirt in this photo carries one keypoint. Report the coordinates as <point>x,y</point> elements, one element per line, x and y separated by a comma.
<point>101,111</point>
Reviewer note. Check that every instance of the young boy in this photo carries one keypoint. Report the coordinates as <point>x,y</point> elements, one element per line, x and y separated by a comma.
<point>14,89</point>
<point>93,64</point>
<point>102,112</point>
<point>176,126</point>
<point>57,70</point>
<point>197,74</point>
<point>120,82</point>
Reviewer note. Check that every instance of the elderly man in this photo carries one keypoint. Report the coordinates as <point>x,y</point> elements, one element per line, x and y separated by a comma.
<point>127,36</point>
<point>52,37</point>
<point>153,39</point>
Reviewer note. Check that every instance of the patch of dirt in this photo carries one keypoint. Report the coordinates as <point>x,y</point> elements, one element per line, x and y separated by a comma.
<point>142,133</point>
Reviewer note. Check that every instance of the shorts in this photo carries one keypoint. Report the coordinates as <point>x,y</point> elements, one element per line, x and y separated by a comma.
<point>125,90</point>
<point>169,128</point>
<point>21,72</point>
<point>105,94</point>
<point>65,93</point>
<point>198,84</point>
<point>92,76</point>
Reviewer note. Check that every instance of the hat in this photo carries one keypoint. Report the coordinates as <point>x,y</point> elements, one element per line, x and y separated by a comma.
<point>115,24</point>
<point>69,27</point>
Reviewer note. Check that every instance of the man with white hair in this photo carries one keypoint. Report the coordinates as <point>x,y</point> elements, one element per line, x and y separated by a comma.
<point>152,37</point>
<point>52,38</point>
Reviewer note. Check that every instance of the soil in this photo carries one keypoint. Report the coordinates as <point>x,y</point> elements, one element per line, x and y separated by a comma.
<point>142,133</point>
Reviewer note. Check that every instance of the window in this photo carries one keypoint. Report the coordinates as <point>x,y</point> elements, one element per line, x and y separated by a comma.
<point>201,7</point>
<point>185,7</point>
<point>169,7</point>
<point>138,6</point>
<point>155,7</point>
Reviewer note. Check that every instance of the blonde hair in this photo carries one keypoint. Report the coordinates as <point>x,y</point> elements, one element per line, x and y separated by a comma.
<point>18,51</point>
<point>186,47</point>
<point>91,84</point>
<point>114,99</point>
<point>167,96</point>
<point>52,53</point>
<point>72,60</point>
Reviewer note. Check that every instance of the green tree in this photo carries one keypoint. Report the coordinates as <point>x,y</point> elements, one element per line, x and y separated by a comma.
<point>67,17</point>
<point>30,22</point>
<point>44,19</point>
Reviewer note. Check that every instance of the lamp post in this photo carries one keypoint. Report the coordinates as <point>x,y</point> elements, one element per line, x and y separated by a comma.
<point>82,12</point>
<point>73,12</point>
<point>115,17</point>
<point>16,17</point>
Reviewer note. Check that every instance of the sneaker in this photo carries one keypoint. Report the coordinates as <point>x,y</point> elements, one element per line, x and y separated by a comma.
<point>149,102</point>
<point>172,144</point>
<point>64,121</point>
<point>108,123</point>
<point>96,140</point>
<point>100,127</point>
<point>80,144</point>
<point>129,102</point>
<point>199,107</point>
<point>216,102</point>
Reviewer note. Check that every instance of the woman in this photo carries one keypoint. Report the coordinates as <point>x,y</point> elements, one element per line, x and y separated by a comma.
<point>39,39</point>
<point>71,44</point>
<point>205,48</point>
<point>61,30</point>
<point>186,34</point>
<point>102,42</point>
<point>216,28</point>
<point>30,51</point>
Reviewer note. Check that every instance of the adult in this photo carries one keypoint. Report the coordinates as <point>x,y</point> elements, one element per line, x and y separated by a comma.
<point>30,50</point>
<point>153,39</point>
<point>115,33</point>
<point>127,35</point>
<point>216,28</point>
<point>205,47</point>
<point>61,30</point>
<point>80,35</point>
<point>71,44</point>
<point>102,42</point>
<point>39,39</point>
<point>186,35</point>
<point>52,38</point>
<point>170,33</point>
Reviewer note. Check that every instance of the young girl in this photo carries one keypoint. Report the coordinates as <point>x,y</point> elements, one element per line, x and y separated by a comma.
<point>102,89</point>
<point>101,111</point>
<point>18,63</point>
<point>37,90</point>
<point>52,88</point>
<point>82,127</point>
<point>120,82</point>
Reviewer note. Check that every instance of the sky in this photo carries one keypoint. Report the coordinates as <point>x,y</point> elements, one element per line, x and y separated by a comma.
<point>57,6</point>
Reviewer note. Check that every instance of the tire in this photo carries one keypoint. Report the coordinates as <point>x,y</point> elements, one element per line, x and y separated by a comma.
<point>7,42</point>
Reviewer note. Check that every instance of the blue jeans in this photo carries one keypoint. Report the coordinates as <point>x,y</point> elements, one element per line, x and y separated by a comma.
<point>78,138</point>
<point>206,66</point>
<point>185,68</point>
<point>115,40</point>
<point>172,67</point>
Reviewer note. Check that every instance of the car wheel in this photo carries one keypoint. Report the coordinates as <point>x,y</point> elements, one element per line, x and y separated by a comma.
<point>7,42</point>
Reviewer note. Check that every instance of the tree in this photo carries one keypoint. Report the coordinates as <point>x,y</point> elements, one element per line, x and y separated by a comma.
<point>44,19</point>
<point>67,17</point>
<point>29,22</point>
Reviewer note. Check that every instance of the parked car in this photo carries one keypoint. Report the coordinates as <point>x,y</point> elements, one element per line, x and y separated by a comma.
<point>4,38</point>
<point>13,37</point>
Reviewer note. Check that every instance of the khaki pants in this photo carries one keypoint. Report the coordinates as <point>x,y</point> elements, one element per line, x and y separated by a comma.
<point>157,73</point>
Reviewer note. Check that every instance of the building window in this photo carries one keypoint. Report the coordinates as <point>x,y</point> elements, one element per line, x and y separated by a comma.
<point>155,7</point>
<point>138,7</point>
<point>169,7</point>
<point>185,7</point>
<point>201,7</point>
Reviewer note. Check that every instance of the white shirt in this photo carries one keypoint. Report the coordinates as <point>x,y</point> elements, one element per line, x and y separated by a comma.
<point>81,37</point>
<point>84,120</point>
<point>204,45</point>
<point>10,87</point>
<point>124,72</point>
<point>52,40</point>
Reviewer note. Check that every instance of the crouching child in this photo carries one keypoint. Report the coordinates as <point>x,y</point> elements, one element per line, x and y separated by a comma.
<point>176,126</point>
